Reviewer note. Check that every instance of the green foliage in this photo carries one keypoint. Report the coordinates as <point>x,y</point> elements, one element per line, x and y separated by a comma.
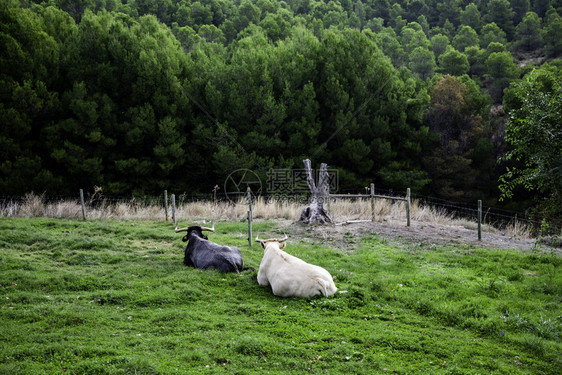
<point>449,12</point>
<point>453,62</point>
<point>552,35</point>
<point>142,95</point>
<point>528,33</point>
<point>422,62</point>
<point>534,135</point>
<point>412,36</point>
<point>475,56</point>
<point>439,44</point>
<point>500,13</point>
<point>29,101</point>
<point>471,16</point>
<point>456,118</point>
<point>466,37</point>
<point>114,297</point>
<point>500,69</point>
<point>388,43</point>
<point>501,65</point>
<point>491,32</point>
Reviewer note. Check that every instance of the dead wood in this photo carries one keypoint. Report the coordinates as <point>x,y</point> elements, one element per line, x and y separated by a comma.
<point>315,212</point>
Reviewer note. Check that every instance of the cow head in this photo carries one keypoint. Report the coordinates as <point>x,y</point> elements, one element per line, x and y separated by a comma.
<point>265,242</point>
<point>196,230</point>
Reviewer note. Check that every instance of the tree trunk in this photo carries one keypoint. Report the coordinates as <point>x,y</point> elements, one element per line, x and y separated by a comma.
<point>315,212</point>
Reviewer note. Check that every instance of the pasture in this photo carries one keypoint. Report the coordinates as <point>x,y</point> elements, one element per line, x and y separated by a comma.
<point>113,297</point>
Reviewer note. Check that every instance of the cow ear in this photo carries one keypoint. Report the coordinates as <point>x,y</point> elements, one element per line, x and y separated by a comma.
<point>184,238</point>
<point>262,243</point>
<point>282,245</point>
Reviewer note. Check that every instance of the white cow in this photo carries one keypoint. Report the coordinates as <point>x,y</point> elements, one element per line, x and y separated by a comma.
<point>290,276</point>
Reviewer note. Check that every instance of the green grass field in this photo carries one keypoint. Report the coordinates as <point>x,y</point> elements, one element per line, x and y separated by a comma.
<point>113,297</point>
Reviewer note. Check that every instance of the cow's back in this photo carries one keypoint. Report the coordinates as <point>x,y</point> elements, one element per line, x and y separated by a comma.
<point>206,255</point>
<point>290,276</point>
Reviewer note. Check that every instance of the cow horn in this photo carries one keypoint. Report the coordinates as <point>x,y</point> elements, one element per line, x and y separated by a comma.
<point>202,229</point>
<point>272,239</point>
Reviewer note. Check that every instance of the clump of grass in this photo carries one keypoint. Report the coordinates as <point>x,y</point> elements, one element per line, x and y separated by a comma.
<point>33,206</point>
<point>429,214</point>
<point>516,228</point>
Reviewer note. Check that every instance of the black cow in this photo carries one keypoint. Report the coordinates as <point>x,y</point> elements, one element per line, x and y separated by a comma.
<point>203,254</point>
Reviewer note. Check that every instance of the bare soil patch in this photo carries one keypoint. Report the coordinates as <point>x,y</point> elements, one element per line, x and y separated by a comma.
<point>347,236</point>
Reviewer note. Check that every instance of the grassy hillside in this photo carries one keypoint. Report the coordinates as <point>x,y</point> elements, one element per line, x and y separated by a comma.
<point>112,297</point>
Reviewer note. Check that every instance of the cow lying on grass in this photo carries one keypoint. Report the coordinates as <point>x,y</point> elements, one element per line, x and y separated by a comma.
<point>204,254</point>
<point>290,276</point>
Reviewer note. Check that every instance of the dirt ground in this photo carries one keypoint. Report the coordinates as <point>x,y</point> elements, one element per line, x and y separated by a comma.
<point>418,232</point>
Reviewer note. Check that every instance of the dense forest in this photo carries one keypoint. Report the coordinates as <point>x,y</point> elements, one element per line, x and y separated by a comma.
<point>456,99</point>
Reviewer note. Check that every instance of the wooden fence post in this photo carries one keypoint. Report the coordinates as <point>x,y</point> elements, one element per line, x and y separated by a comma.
<point>479,220</point>
<point>166,203</point>
<point>408,207</point>
<point>82,204</point>
<point>249,192</point>
<point>174,210</point>
<point>372,202</point>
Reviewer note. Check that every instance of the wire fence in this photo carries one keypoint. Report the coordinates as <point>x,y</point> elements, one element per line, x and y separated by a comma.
<point>495,216</point>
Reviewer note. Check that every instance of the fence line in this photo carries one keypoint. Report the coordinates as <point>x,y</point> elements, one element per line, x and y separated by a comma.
<point>493,215</point>
<point>249,218</point>
<point>373,196</point>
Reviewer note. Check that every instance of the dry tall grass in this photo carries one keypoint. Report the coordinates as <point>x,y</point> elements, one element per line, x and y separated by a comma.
<point>341,210</point>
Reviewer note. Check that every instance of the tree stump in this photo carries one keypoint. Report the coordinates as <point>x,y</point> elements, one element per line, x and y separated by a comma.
<point>315,212</point>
